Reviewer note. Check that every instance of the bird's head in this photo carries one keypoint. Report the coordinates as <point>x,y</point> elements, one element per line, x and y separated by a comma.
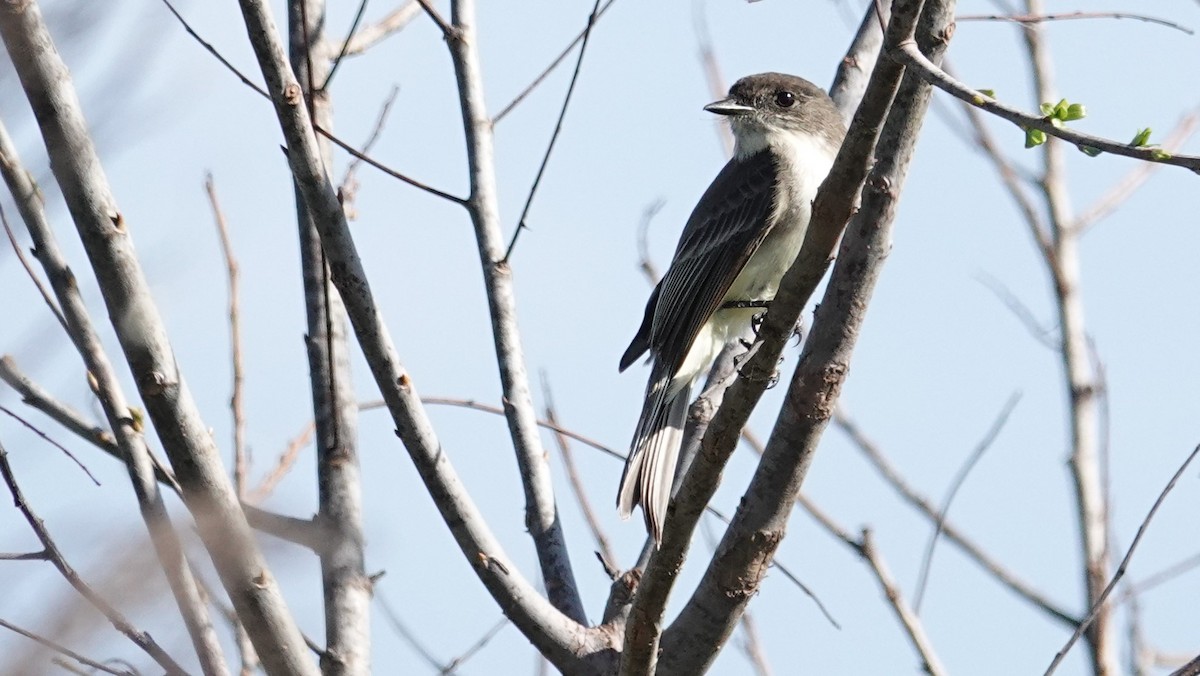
<point>768,104</point>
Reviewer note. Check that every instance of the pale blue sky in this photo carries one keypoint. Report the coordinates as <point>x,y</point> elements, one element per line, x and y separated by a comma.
<point>937,359</point>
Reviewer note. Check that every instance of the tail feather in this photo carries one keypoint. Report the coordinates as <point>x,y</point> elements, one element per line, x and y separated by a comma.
<point>650,471</point>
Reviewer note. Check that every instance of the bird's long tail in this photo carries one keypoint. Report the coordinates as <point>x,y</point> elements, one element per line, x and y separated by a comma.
<point>654,453</point>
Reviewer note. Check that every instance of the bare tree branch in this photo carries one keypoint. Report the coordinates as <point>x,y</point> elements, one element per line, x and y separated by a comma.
<point>1124,565</point>
<point>320,130</point>
<point>287,460</point>
<point>1079,376</point>
<point>959,478</point>
<point>565,642</point>
<point>346,590</point>
<point>45,437</point>
<point>33,395</point>
<point>347,188</point>
<point>924,505</point>
<point>207,491</point>
<point>564,446</point>
<point>508,108</point>
<point>541,514</point>
<point>372,34</point>
<point>1017,189</point>
<point>911,57</point>
<point>12,238</point>
<point>127,441</point>
<point>562,114</point>
<point>865,548</point>
<point>1068,16</point>
<point>241,461</point>
<point>1127,186</point>
<point>59,648</point>
<point>140,638</point>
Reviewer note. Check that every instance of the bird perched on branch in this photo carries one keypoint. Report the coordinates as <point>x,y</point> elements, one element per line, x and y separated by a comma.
<point>741,237</point>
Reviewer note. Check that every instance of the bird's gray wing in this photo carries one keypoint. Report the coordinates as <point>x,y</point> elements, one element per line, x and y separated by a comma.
<point>725,229</point>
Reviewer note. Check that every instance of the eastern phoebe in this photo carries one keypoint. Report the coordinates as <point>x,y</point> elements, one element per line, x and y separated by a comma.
<point>738,242</point>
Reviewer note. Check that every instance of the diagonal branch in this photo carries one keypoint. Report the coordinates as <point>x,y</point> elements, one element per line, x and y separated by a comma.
<point>864,546</point>
<point>1124,565</point>
<point>910,56</point>
<point>939,524</point>
<point>372,34</point>
<point>140,638</point>
<point>38,398</point>
<point>541,514</point>
<point>59,648</point>
<point>508,108</point>
<point>562,114</point>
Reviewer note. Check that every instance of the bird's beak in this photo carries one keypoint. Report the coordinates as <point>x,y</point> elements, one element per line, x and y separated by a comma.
<point>728,107</point>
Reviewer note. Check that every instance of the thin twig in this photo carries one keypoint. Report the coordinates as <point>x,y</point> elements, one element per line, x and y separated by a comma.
<point>562,114</point>
<point>753,646</point>
<point>346,187</point>
<point>37,281</point>
<point>959,478</point>
<point>1068,16</point>
<point>1153,580</point>
<point>1014,181</point>
<point>241,460</point>
<point>287,459</point>
<point>61,649</point>
<point>1124,565</point>
<point>45,437</point>
<point>1127,186</point>
<point>140,638</point>
<point>370,35</point>
<point>864,547</point>
<point>550,68</point>
<point>908,618</point>
<point>448,31</point>
<point>337,61</point>
<point>909,55</point>
<point>605,549</point>
<point>645,263</point>
<point>475,647</point>
<point>320,130</point>
<point>26,556</point>
<point>1043,335</point>
<point>38,398</point>
<point>924,505</point>
<point>406,634</point>
<point>495,410</point>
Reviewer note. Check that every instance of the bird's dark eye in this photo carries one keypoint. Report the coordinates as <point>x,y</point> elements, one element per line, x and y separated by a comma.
<point>785,99</point>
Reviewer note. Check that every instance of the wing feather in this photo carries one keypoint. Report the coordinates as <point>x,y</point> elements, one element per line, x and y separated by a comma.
<point>725,229</point>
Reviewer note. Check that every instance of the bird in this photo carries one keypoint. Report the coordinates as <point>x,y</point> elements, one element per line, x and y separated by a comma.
<point>740,239</point>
